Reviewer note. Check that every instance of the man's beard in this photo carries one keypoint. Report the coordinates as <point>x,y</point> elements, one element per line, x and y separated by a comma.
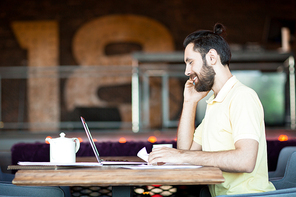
<point>205,78</point>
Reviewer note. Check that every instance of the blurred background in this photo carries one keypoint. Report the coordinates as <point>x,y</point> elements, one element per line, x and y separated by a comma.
<point>119,64</point>
<point>60,60</point>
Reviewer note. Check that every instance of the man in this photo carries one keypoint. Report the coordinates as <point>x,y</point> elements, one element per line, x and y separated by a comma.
<point>232,133</point>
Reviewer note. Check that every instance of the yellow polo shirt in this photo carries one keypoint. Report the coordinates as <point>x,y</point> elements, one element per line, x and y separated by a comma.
<point>236,113</point>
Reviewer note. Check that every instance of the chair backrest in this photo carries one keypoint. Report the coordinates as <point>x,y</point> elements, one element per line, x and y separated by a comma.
<point>1,175</point>
<point>277,193</point>
<point>284,155</point>
<point>6,177</point>
<point>289,178</point>
<point>8,189</point>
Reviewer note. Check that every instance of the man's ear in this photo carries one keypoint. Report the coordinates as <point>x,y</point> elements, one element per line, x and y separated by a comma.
<point>212,57</point>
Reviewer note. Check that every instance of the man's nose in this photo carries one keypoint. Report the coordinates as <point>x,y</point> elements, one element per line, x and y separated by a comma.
<point>187,70</point>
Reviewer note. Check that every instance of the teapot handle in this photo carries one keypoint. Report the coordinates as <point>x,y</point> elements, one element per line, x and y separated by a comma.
<point>77,144</point>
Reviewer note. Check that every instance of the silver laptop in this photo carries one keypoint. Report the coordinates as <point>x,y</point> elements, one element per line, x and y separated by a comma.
<point>96,152</point>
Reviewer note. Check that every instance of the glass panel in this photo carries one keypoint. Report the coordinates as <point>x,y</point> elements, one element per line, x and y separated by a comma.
<point>269,86</point>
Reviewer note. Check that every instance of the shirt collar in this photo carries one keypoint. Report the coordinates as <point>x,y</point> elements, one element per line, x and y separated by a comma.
<point>224,91</point>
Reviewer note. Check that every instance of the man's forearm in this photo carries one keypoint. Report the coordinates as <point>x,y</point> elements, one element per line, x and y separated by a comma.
<point>186,126</point>
<point>241,159</point>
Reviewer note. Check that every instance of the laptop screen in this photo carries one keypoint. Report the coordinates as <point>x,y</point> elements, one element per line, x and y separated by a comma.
<point>92,143</point>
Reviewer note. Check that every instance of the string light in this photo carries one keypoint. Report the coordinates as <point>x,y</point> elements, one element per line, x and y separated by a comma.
<point>152,139</point>
<point>283,138</point>
<point>47,142</point>
<point>122,140</point>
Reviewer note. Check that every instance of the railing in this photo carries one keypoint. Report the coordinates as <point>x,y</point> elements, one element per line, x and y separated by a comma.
<point>137,76</point>
<point>167,66</point>
<point>61,75</point>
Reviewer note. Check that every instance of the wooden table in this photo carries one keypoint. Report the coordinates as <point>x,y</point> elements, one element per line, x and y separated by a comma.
<point>120,179</point>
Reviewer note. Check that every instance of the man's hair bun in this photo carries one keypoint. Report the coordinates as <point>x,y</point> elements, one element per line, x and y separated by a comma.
<point>220,29</point>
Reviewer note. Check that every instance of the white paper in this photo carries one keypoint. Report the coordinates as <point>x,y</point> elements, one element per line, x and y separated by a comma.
<point>165,166</point>
<point>143,154</point>
<point>123,162</point>
<point>25,163</point>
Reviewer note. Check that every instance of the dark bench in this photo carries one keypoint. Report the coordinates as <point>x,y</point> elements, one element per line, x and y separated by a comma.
<point>40,151</point>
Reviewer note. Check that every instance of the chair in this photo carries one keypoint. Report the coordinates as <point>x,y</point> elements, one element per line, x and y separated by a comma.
<point>6,177</point>
<point>286,186</point>
<point>7,189</point>
<point>289,178</point>
<point>284,155</point>
<point>277,193</point>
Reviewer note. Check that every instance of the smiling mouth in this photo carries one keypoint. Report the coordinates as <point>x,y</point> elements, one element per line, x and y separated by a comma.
<point>194,80</point>
<point>193,77</point>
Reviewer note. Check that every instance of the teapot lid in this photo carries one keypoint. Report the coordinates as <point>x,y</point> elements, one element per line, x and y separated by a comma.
<point>58,139</point>
<point>62,135</point>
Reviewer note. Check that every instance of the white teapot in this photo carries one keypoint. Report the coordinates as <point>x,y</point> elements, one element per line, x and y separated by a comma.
<point>62,149</point>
